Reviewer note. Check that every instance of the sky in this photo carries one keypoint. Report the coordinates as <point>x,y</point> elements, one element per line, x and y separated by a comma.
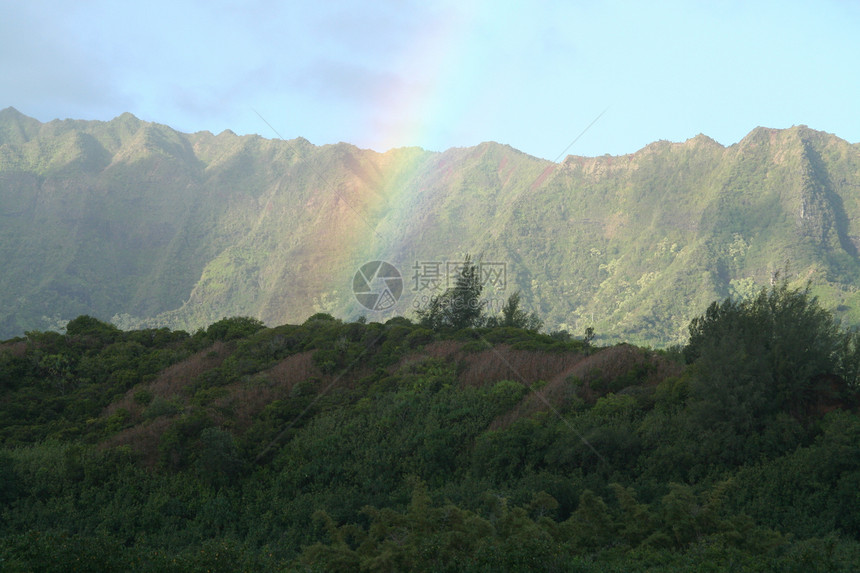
<point>549,78</point>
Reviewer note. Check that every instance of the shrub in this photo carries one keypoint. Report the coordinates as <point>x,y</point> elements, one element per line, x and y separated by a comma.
<point>233,328</point>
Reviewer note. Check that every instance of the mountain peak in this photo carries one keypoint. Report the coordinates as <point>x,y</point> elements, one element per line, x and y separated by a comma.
<point>704,140</point>
<point>127,115</point>
<point>15,127</point>
<point>127,119</point>
<point>11,113</point>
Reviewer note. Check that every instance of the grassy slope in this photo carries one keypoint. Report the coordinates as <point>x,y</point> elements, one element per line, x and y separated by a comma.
<point>164,450</point>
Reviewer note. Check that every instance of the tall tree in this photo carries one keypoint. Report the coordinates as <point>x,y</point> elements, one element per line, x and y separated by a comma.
<point>459,306</point>
<point>777,352</point>
<point>516,317</point>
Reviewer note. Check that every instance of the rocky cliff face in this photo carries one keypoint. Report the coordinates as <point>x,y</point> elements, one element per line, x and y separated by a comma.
<point>136,222</point>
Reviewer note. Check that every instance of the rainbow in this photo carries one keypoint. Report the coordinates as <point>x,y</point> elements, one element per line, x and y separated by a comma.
<point>380,213</point>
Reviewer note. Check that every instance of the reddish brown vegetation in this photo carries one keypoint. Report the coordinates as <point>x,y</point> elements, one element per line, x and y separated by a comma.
<point>247,399</point>
<point>172,379</point>
<point>504,363</point>
<point>16,349</point>
<point>555,378</point>
<point>143,439</point>
<point>829,392</point>
<point>579,378</point>
<point>542,177</point>
<point>448,350</point>
<point>244,400</point>
<point>614,362</point>
<point>440,349</point>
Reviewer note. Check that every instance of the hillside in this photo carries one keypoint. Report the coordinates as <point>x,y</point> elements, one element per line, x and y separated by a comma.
<point>136,223</point>
<point>387,447</point>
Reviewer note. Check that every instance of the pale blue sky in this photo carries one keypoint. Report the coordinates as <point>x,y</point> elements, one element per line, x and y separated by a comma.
<point>441,74</point>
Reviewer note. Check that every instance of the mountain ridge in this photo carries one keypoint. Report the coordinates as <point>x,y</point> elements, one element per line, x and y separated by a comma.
<point>133,221</point>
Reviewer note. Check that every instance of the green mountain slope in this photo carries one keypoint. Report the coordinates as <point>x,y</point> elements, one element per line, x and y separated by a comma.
<point>135,222</point>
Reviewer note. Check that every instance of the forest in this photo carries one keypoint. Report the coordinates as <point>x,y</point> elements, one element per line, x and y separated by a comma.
<point>449,441</point>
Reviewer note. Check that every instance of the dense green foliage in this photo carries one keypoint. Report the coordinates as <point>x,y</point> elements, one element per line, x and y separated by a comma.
<point>780,343</point>
<point>513,316</point>
<point>134,222</point>
<point>333,446</point>
<point>462,306</point>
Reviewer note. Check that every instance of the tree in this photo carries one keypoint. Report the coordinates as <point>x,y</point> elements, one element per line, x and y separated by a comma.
<point>464,306</point>
<point>234,327</point>
<point>86,326</point>
<point>514,316</point>
<point>433,315</point>
<point>459,306</point>
<point>589,335</point>
<point>767,354</point>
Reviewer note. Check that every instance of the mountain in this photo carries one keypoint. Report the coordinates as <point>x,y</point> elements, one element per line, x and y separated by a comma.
<point>136,223</point>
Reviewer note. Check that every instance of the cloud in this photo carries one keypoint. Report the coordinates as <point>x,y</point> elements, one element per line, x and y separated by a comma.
<point>380,30</point>
<point>345,82</point>
<point>45,70</point>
